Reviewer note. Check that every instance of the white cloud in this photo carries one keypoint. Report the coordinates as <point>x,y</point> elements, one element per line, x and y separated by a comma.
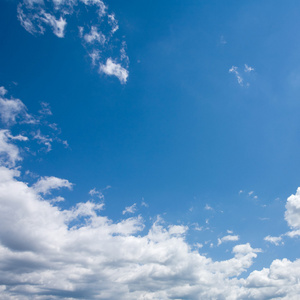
<point>46,184</point>
<point>207,207</point>
<point>3,91</point>
<point>10,108</point>
<point>276,240</point>
<point>228,238</point>
<point>48,253</point>
<point>239,78</point>
<point>292,213</point>
<point>129,209</point>
<point>43,139</point>
<point>58,26</point>
<point>46,110</point>
<point>96,193</point>
<point>9,153</point>
<point>248,69</point>
<point>36,16</point>
<point>94,35</point>
<point>111,68</point>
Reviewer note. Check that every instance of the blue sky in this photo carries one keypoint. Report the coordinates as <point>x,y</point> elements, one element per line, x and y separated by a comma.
<point>174,125</point>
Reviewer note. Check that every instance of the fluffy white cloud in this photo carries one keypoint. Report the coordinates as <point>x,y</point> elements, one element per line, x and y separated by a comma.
<point>292,213</point>
<point>46,184</point>
<point>111,68</point>
<point>49,253</point>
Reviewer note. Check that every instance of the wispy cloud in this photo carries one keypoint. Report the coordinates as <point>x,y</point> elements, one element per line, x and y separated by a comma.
<point>129,209</point>
<point>240,78</point>
<point>36,16</point>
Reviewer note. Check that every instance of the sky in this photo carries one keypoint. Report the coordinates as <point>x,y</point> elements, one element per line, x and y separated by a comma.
<point>149,150</point>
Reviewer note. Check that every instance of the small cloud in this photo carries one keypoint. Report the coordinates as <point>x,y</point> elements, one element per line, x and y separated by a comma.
<point>57,199</point>
<point>248,69</point>
<point>45,110</point>
<point>129,209</point>
<point>144,203</point>
<point>43,139</point>
<point>228,238</point>
<point>222,40</point>
<point>113,69</point>
<point>239,78</point>
<point>250,193</point>
<point>94,36</point>
<point>198,245</point>
<point>241,191</point>
<point>276,240</point>
<point>46,184</point>
<point>229,231</point>
<point>207,207</point>
<point>96,193</point>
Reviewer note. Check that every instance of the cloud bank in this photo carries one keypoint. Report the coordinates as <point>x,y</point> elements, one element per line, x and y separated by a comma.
<point>79,253</point>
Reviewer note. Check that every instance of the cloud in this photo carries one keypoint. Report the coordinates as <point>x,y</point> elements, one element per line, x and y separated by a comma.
<point>129,209</point>
<point>46,184</point>
<point>111,68</point>
<point>239,78</point>
<point>248,69</point>
<point>46,110</point>
<point>36,16</point>
<point>9,153</point>
<point>43,254</point>
<point>77,253</point>
<point>94,35</point>
<point>276,240</point>
<point>10,108</point>
<point>228,238</point>
<point>96,193</point>
<point>207,207</point>
<point>292,213</point>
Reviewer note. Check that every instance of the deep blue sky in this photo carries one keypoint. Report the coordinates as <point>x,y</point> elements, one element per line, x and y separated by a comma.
<point>181,133</point>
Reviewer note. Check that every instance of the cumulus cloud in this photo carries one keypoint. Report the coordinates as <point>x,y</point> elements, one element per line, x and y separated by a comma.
<point>292,213</point>
<point>228,238</point>
<point>43,255</point>
<point>36,16</point>
<point>112,68</point>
